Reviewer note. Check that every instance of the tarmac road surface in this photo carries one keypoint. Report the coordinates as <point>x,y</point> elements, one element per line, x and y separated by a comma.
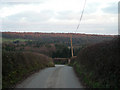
<point>60,76</point>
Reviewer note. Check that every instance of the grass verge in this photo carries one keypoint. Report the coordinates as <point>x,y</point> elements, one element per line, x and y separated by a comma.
<point>98,65</point>
<point>17,65</point>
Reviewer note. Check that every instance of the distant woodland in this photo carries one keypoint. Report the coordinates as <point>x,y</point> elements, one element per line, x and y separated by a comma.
<point>50,44</point>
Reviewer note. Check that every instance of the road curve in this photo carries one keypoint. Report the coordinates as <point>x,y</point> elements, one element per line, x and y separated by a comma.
<point>60,76</point>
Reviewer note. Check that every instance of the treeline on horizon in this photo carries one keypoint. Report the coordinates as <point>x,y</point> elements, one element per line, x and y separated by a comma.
<point>78,39</point>
<point>50,44</point>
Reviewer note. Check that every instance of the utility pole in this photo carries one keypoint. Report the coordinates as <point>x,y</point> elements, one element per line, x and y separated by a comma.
<point>71,46</point>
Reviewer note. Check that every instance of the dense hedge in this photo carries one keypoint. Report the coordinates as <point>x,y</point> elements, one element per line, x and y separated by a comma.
<point>17,65</point>
<point>98,66</point>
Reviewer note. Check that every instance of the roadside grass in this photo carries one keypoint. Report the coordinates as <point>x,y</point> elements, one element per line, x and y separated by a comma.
<point>18,65</point>
<point>0,81</point>
<point>86,77</point>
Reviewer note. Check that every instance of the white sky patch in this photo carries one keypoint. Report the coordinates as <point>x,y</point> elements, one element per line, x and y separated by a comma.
<point>59,16</point>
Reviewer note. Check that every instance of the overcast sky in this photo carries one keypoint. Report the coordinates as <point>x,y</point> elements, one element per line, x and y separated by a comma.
<point>100,16</point>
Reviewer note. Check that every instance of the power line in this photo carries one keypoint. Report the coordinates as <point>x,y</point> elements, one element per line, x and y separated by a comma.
<point>77,28</point>
<point>81,16</point>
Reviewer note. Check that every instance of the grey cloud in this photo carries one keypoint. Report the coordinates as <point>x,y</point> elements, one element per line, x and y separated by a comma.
<point>91,7</point>
<point>86,28</point>
<point>65,12</point>
<point>11,4</point>
<point>34,21</point>
<point>29,1</point>
<point>98,29</point>
<point>112,8</point>
<point>31,16</point>
<point>38,21</point>
<point>66,15</point>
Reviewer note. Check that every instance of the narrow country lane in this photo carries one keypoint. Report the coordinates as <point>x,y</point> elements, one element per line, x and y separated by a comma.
<point>60,76</point>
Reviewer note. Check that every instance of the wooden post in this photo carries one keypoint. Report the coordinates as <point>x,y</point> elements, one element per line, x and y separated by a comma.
<point>71,46</point>
<point>69,61</point>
